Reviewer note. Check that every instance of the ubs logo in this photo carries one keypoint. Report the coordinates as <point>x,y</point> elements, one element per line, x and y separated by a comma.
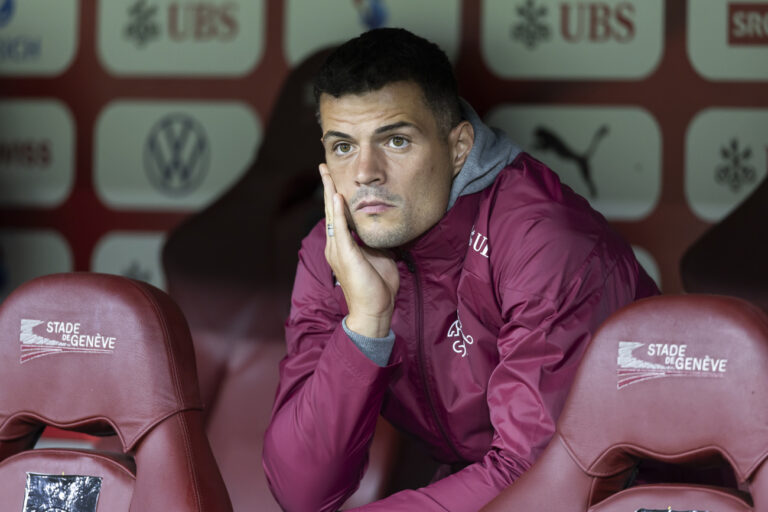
<point>594,22</point>
<point>372,13</point>
<point>142,27</point>
<point>196,21</point>
<point>735,170</point>
<point>747,24</point>
<point>531,30</point>
<point>6,12</point>
<point>176,154</point>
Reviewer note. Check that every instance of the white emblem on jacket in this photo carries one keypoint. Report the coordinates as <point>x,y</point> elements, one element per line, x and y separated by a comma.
<point>479,243</point>
<point>456,331</point>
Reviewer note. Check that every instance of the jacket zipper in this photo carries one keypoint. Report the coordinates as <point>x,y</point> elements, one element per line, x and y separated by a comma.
<point>411,265</point>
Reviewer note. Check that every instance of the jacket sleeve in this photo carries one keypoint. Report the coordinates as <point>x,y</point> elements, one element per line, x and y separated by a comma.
<point>327,403</point>
<point>540,346</point>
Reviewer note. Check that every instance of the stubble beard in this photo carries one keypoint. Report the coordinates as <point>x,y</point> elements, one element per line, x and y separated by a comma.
<point>378,236</point>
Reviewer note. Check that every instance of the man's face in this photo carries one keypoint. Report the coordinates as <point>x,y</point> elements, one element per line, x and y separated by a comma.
<point>390,161</point>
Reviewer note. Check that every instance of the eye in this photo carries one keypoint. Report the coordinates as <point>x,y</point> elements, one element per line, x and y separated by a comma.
<point>342,148</point>
<point>398,142</point>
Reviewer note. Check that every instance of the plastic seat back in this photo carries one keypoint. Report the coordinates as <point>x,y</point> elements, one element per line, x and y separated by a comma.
<point>675,379</point>
<point>101,354</point>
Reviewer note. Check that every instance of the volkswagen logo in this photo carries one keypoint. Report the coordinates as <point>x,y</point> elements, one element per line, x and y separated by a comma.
<point>6,12</point>
<point>176,154</point>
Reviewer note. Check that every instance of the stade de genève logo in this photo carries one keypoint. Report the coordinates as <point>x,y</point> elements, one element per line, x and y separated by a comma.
<point>64,337</point>
<point>660,360</point>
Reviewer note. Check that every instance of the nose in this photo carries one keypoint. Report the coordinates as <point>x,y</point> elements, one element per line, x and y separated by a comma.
<point>370,167</point>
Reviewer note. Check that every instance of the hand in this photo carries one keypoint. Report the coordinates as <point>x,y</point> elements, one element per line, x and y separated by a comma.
<point>368,277</point>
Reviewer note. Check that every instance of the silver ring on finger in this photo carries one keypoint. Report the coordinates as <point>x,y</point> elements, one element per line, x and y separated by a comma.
<point>329,228</point>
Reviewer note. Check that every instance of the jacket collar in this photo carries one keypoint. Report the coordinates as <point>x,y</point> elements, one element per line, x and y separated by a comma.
<point>445,244</point>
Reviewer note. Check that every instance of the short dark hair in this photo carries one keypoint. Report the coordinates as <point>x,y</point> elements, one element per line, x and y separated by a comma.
<point>385,55</point>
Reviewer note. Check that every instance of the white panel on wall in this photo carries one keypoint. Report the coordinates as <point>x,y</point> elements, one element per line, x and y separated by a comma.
<point>726,156</point>
<point>312,25</point>
<point>181,37</point>
<point>131,254</point>
<point>26,254</point>
<point>171,155</point>
<point>36,153</point>
<point>37,37</point>
<point>609,155</point>
<point>572,39</point>
<point>728,40</point>
<point>648,262</point>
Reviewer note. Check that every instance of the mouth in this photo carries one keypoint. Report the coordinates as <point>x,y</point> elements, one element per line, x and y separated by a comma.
<point>372,206</point>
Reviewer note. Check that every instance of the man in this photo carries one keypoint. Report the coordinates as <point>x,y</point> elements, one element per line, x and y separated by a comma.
<point>453,288</point>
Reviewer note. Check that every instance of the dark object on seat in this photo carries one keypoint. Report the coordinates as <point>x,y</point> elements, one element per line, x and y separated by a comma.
<point>231,266</point>
<point>102,354</point>
<point>731,258</point>
<point>677,379</point>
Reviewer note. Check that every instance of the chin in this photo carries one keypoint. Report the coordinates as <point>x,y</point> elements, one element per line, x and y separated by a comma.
<point>377,238</point>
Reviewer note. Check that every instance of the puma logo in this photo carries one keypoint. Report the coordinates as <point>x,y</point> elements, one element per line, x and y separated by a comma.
<point>547,140</point>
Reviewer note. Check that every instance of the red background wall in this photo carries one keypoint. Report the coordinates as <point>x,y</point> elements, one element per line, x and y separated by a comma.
<point>673,93</point>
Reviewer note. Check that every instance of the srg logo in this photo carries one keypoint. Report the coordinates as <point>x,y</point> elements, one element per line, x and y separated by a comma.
<point>728,40</point>
<point>748,24</point>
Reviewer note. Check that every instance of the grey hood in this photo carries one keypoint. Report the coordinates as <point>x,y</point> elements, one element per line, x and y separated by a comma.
<point>491,152</point>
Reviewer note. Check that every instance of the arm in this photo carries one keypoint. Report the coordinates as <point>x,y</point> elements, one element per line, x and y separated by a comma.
<point>540,347</point>
<point>330,392</point>
<point>328,400</point>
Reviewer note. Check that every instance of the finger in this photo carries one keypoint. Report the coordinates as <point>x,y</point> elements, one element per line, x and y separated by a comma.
<point>328,191</point>
<point>344,238</point>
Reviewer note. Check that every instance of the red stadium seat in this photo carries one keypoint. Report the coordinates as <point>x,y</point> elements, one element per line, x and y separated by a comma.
<point>674,379</point>
<point>102,354</point>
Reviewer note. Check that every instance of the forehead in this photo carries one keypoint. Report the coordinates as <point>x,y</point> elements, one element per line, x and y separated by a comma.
<point>393,103</point>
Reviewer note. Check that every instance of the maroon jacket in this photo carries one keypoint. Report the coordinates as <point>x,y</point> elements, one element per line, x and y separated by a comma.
<point>497,303</point>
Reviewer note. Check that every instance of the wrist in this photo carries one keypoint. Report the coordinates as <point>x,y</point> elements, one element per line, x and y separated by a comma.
<point>372,326</point>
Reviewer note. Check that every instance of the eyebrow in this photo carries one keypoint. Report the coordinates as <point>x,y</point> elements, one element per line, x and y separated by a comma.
<point>334,133</point>
<point>382,129</point>
<point>393,126</point>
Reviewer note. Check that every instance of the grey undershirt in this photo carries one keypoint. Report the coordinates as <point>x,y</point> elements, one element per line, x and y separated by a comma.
<point>377,350</point>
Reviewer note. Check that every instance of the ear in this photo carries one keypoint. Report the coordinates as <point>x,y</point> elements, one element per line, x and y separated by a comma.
<point>461,139</point>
